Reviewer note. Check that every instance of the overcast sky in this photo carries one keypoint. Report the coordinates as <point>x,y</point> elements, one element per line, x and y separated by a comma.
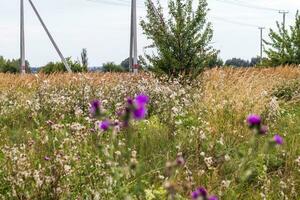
<point>103,28</point>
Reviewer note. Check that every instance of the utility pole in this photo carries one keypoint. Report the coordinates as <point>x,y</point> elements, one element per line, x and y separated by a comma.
<point>283,12</point>
<point>133,61</point>
<point>50,37</point>
<point>261,42</point>
<point>22,39</point>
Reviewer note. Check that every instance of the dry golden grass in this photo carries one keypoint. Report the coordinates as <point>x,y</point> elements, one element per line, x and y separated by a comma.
<point>251,85</point>
<point>240,86</point>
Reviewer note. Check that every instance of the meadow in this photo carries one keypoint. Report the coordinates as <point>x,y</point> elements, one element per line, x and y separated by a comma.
<point>135,137</point>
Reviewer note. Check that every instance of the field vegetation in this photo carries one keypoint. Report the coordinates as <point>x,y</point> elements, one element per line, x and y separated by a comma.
<point>125,136</point>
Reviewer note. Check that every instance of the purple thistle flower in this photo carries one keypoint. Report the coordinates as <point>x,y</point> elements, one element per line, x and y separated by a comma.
<point>195,195</point>
<point>95,107</point>
<point>213,198</point>
<point>263,130</point>
<point>104,126</point>
<point>253,120</point>
<point>278,139</point>
<point>202,191</point>
<point>139,113</point>
<point>142,100</point>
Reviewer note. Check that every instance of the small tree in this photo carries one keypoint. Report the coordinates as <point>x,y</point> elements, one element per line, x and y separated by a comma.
<point>284,47</point>
<point>182,40</point>
<point>84,59</point>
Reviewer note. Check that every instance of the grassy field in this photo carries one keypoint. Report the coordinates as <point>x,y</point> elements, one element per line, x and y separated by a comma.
<point>55,144</point>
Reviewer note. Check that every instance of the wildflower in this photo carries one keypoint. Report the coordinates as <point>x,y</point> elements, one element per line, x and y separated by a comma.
<point>254,120</point>
<point>140,113</point>
<point>180,161</point>
<point>227,157</point>
<point>104,126</point>
<point>142,100</point>
<point>213,198</point>
<point>47,158</point>
<point>95,107</point>
<point>195,195</point>
<point>202,191</point>
<point>130,101</point>
<point>278,139</point>
<point>263,130</point>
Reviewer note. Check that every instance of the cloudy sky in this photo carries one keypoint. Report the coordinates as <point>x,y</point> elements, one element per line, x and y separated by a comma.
<point>102,26</point>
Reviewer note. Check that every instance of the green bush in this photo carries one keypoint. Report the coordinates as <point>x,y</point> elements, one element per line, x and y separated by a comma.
<point>53,67</point>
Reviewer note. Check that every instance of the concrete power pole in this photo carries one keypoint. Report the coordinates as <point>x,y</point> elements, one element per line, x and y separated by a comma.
<point>46,30</point>
<point>283,15</point>
<point>261,42</point>
<point>133,61</point>
<point>22,39</point>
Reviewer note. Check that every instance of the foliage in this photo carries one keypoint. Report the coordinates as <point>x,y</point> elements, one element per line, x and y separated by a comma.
<point>284,47</point>
<point>125,63</point>
<point>237,62</point>
<point>181,41</point>
<point>53,147</point>
<point>12,66</point>
<point>54,67</point>
<point>112,67</point>
<point>255,61</point>
<point>215,61</point>
<point>288,91</point>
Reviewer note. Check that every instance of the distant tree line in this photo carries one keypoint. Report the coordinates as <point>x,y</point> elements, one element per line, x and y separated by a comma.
<point>183,45</point>
<point>238,62</point>
<point>12,65</point>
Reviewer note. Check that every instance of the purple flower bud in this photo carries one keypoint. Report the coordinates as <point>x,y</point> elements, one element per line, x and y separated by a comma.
<point>130,101</point>
<point>47,158</point>
<point>139,113</point>
<point>278,139</point>
<point>104,126</point>
<point>213,198</point>
<point>263,130</point>
<point>195,195</point>
<point>95,107</point>
<point>180,161</point>
<point>253,120</point>
<point>142,100</point>
<point>202,191</point>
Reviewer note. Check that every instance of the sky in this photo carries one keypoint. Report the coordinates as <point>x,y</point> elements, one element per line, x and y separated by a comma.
<point>102,26</point>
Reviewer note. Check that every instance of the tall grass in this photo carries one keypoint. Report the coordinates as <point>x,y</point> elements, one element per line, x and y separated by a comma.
<point>52,149</point>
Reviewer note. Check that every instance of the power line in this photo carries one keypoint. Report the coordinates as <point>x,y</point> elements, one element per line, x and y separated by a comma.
<point>246,5</point>
<point>115,2</point>
<point>235,22</point>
